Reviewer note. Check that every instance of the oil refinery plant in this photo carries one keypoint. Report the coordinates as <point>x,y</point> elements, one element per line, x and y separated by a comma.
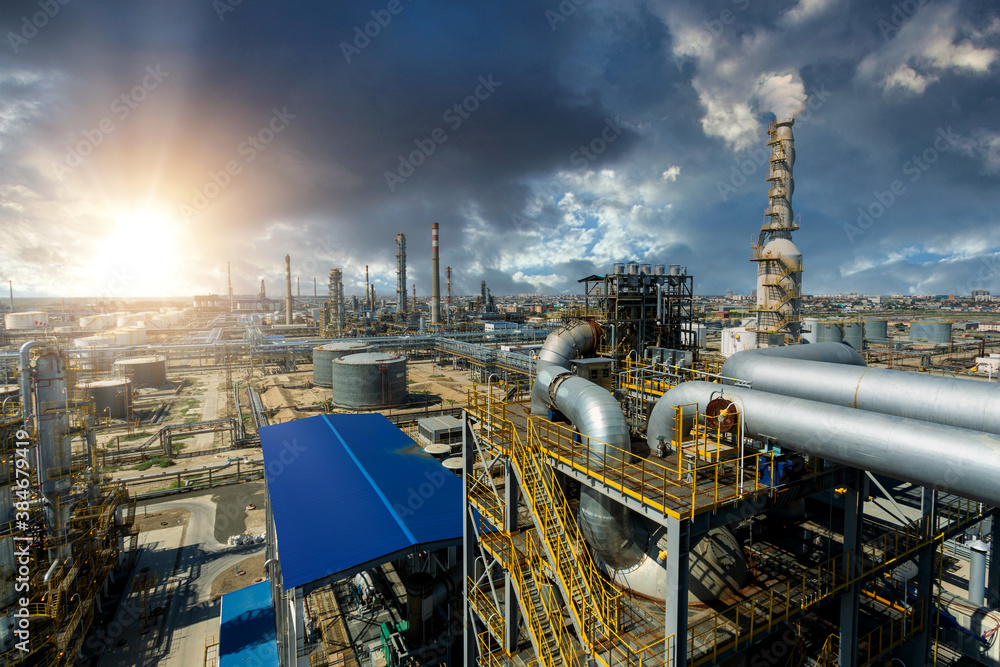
<point>447,483</point>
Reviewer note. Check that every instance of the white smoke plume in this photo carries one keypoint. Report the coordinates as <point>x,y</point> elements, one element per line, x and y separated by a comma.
<point>781,93</point>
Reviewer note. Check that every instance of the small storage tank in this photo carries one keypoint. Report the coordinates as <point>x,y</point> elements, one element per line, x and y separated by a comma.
<point>877,329</point>
<point>854,334</point>
<point>324,355</point>
<point>143,371</point>
<point>454,464</point>
<point>830,331</point>
<point>809,326</point>
<point>31,319</point>
<point>368,380</point>
<point>935,332</point>
<point>112,398</point>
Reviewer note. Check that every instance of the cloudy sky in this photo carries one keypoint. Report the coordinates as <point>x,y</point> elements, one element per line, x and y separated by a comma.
<point>144,144</point>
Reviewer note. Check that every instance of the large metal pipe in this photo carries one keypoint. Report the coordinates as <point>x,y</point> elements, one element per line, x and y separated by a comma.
<point>288,289</point>
<point>562,345</point>
<point>967,404</point>
<point>833,353</point>
<point>435,277</point>
<point>956,460</point>
<point>596,414</point>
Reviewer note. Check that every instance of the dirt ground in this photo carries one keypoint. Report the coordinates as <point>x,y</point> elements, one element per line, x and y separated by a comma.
<point>161,519</point>
<point>231,580</point>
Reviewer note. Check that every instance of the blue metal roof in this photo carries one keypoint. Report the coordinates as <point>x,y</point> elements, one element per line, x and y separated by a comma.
<point>351,491</point>
<point>247,634</point>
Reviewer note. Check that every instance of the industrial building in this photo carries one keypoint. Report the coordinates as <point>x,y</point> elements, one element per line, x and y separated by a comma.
<point>457,488</point>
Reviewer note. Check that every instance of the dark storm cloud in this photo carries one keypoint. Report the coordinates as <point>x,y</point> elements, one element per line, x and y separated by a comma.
<point>542,148</point>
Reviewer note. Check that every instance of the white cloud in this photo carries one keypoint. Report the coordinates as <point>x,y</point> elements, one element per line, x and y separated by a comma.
<point>807,10</point>
<point>671,173</point>
<point>931,43</point>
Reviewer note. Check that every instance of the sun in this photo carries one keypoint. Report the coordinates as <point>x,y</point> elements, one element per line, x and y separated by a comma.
<point>140,252</point>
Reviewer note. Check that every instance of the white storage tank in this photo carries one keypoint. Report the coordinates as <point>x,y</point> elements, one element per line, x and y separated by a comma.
<point>809,326</point>
<point>854,333</point>
<point>30,319</point>
<point>143,371</point>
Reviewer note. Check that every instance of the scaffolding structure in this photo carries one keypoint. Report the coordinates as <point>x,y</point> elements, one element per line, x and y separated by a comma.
<point>530,572</point>
<point>642,306</point>
<point>60,557</point>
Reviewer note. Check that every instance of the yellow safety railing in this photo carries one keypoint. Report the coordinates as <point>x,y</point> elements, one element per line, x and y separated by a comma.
<point>551,638</point>
<point>741,623</point>
<point>487,656</point>
<point>827,656</point>
<point>482,604</point>
<point>682,491</point>
<point>891,634</point>
<point>576,570</point>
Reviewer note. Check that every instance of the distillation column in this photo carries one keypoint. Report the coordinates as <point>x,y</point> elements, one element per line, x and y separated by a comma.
<point>401,275</point>
<point>288,289</point>
<point>779,262</point>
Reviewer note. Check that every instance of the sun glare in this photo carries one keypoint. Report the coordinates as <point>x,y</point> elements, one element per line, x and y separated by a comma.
<point>141,250</point>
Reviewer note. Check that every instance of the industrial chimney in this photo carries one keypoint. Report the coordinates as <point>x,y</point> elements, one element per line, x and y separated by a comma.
<point>400,275</point>
<point>288,289</point>
<point>779,262</point>
<point>229,282</point>
<point>435,277</point>
<point>447,309</point>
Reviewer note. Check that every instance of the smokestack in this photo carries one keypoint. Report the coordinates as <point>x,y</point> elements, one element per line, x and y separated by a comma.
<point>414,297</point>
<point>368,298</point>
<point>779,262</point>
<point>262,294</point>
<point>11,283</point>
<point>447,310</point>
<point>435,277</point>
<point>400,274</point>
<point>288,289</point>
<point>372,298</point>
<point>229,282</point>
<point>315,293</point>
<point>298,288</point>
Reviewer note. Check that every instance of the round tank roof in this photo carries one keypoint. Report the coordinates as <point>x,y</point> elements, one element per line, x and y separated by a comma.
<point>781,247</point>
<point>453,463</point>
<point>153,359</point>
<point>91,384</point>
<point>344,345</point>
<point>363,358</point>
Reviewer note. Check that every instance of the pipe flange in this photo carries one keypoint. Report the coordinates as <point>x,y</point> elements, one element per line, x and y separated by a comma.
<point>554,386</point>
<point>721,413</point>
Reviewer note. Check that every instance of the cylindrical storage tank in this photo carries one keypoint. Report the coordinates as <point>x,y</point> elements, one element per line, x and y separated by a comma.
<point>829,331</point>
<point>854,333</point>
<point>809,326</point>
<point>112,398</point>
<point>324,355</point>
<point>454,464</point>
<point>368,380</point>
<point>439,452</point>
<point>876,329</point>
<point>143,371</point>
<point>978,551</point>
<point>935,332</point>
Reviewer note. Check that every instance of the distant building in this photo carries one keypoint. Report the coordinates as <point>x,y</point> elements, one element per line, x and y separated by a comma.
<point>981,295</point>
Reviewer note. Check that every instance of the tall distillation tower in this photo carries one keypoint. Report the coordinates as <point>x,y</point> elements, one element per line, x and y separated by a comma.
<point>779,262</point>
<point>401,276</point>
